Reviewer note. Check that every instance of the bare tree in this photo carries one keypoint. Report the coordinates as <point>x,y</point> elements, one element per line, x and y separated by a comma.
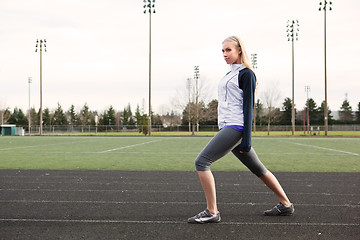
<point>3,111</point>
<point>271,96</point>
<point>187,97</point>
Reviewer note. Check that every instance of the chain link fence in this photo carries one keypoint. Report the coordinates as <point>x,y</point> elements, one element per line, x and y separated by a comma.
<point>92,129</point>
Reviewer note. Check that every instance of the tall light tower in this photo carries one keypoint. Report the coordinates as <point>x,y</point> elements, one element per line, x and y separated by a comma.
<point>29,81</point>
<point>254,64</point>
<point>149,7</point>
<point>292,34</point>
<point>196,77</point>
<point>39,45</point>
<point>323,6</point>
<point>189,104</point>
<point>307,90</point>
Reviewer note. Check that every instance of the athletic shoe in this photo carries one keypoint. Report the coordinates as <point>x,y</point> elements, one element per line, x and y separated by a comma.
<point>280,210</point>
<point>205,217</point>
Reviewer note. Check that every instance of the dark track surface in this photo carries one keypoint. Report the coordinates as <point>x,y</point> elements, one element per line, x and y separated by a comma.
<point>44,204</point>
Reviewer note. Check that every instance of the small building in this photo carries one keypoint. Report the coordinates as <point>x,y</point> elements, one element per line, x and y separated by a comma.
<point>7,130</point>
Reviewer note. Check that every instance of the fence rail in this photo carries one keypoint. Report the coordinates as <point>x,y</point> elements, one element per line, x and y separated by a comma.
<point>73,129</point>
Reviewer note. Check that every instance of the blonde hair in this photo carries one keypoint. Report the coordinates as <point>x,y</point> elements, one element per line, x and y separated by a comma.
<point>240,46</point>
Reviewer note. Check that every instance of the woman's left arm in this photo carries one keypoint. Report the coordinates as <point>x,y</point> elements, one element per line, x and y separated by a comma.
<point>247,82</point>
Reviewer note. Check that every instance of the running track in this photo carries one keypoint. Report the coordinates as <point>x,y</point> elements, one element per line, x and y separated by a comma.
<point>44,204</point>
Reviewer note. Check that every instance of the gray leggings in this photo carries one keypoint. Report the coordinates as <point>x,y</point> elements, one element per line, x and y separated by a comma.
<point>226,140</point>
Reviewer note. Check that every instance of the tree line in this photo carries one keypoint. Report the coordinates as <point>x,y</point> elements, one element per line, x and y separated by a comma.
<point>316,113</point>
<point>204,114</point>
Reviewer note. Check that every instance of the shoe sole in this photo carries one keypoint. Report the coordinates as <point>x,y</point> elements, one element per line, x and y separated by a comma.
<point>281,214</point>
<point>196,222</point>
<point>204,222</point>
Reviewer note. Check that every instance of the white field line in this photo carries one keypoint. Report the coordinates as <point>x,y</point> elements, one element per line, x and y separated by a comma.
<point>43,145</point>
<point>170,222</point>
<point>183,153</point>
<point>330,149</point>
<point>130,146</point>
<point>170,203</point>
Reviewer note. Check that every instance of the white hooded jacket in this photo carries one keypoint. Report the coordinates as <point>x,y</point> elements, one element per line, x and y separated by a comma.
<point>236,100</point>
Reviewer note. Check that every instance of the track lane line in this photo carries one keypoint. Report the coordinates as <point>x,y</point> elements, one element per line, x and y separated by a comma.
<point>168,222</point>
<point>170,203</point>
<point>164,191</point>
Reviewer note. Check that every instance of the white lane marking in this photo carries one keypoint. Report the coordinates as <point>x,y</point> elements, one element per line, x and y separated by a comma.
<point>130,146</point>
<point>170,203</point>
<point>330,149</point>
<point>169,222</point>
<point>163,191</point>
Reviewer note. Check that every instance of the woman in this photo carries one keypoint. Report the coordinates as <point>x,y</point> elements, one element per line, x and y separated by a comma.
<point>235,114</point>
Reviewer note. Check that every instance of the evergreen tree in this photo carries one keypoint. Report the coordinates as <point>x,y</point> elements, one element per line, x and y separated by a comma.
<point>22,119</point>
<point>141,121</point>
<point>210,115</point>
<point>85,115</point>
<point>357,114</point>
<point>346,114</point>
<point>127,116</point>
<point>46,117</point>
<point>314,114</point>
<point>59,116</point>
<point>18,117</point>
<point>109,116</point>
<point>143,126</point>
<point>321,110</point>
<point>72,115</point>
<point>13,117</point>
<point>34,117</point>
<point>138,115</point>
<point>287,112</point>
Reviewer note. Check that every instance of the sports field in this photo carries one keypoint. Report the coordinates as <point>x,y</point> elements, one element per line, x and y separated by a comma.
<point>146,188</point>
<point>299,154</point>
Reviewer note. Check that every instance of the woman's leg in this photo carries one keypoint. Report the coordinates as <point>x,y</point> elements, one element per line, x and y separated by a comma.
<point>208,185</point>
<point>251,161</point>
<point>223,142</point>
<point>270,180</point>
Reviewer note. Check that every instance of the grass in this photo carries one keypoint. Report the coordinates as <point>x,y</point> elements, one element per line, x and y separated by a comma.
<point>174,153</point>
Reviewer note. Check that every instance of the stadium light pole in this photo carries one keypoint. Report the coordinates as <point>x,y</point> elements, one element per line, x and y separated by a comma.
<point>196,77</point>
<point>307,90</point>
<point>189,105</point>
<point>323,6</point>
<point>39,45</point>
<point>29,81</point>
<point>292,34</point>
<point>149,7</point>
<point>254,64</point>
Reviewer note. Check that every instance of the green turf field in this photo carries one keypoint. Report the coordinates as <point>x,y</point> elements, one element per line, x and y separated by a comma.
<point>292,154</point>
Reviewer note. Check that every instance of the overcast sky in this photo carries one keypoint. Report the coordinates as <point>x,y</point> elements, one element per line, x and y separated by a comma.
<point>97,50</point>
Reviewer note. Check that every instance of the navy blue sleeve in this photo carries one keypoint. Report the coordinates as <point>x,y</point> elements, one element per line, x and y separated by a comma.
<point>247,82</point>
